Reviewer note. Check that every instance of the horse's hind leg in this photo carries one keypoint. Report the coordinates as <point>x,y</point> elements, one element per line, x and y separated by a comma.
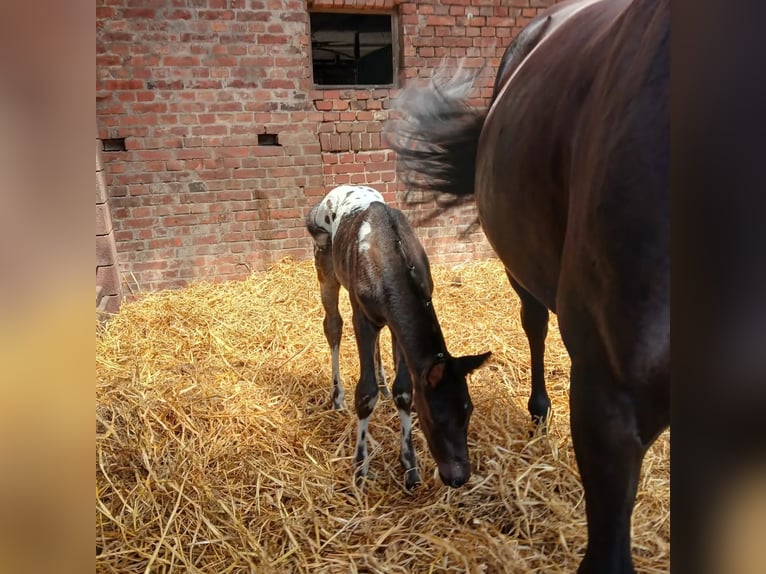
<point>333,322</point>
<point>366,389</point>
<point>402,390</point>
<point>534,320</point>
<point>380,372</point>
<point>612,427</point>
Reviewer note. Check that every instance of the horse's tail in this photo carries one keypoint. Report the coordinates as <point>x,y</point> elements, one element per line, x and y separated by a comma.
<point>436,137</point>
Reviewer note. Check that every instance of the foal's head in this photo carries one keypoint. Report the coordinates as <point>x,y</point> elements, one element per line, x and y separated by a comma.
<point>444,408</point>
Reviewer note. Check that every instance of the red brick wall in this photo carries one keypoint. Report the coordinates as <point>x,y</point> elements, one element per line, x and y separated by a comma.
<point>108,286</point>
<point>191,83</point>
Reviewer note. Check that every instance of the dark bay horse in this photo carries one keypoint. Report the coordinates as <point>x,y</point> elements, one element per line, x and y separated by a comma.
<point>569,170</point>
<point>370,248</point>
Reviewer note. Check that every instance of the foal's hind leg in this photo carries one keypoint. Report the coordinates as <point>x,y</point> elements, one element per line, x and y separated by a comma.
<point>402,390</point>
<point>380,372</point>
<point>333,322</point>
<point>534,319</point>
<point>366,389</point>
<point>612,426</point>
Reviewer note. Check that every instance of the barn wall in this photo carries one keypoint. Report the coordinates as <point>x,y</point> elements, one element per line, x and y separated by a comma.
<point>190,84</point>
<point>108,286</point>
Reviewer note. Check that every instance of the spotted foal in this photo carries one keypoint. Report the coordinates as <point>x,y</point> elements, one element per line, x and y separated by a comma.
<point>370,249</point>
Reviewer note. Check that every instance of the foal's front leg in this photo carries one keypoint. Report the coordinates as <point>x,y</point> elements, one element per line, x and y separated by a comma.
<point>366,389</point>
<point>333,322</point>
<point>402,389</point>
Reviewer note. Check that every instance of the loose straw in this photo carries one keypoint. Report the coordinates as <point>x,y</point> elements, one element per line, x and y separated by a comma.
<point>216,450</point>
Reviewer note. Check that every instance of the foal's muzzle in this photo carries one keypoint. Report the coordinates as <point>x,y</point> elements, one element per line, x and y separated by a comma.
<point>455,474</point>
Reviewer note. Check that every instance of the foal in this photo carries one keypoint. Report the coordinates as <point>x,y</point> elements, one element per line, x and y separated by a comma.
<point>370,249</point>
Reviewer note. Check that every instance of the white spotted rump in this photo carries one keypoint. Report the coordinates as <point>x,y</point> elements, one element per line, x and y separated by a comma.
<point>341,201</point>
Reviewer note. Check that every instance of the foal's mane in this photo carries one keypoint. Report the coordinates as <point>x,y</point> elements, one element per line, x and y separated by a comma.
<point>417,270</point>
<point>407,246</point>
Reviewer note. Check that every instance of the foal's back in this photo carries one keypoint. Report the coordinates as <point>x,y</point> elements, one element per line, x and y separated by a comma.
<point>380,261</point>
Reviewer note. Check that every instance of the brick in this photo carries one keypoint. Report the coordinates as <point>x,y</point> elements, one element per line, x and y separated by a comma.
<point>99,161</point>
<point>108,305</point>
<point>103,219</point>
<point>440,21</point>
<point>101,190</point>
<point>271,39</point>
<point>153,155</point>
<point>107,277</point>
<point>106,250</point>
<point>183,61</point>
<point>340,105</point>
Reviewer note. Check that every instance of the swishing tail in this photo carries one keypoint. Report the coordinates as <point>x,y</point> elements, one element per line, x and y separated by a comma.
<point>436,138</point>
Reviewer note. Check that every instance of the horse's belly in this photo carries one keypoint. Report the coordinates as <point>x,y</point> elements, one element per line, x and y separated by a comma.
<point>523,217</point>
<point>526,257</point>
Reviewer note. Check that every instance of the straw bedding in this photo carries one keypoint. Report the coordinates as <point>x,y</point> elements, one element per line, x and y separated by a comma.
<point>216,450</point>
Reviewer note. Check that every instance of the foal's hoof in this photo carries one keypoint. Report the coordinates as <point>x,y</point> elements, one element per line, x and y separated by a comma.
<point>411,479</point>
<point>337,396</point>
<point>336,401</point>
<point>360,477</point>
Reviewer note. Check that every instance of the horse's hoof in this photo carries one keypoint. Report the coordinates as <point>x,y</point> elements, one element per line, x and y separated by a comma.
<point>411,479</point>
<point>411,485</point>
<point>541,425</point>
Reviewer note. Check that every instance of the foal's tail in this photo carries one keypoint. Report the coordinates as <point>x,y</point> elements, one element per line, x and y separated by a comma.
<point>437,136</point>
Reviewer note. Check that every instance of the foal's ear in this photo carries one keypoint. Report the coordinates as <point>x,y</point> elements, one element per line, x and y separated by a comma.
<point>465,365</point>
<point>435,374</point>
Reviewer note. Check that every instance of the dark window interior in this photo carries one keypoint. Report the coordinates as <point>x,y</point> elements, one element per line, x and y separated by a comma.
<point>268,139</point>
<point>114,144</point>
<point>351,49</point>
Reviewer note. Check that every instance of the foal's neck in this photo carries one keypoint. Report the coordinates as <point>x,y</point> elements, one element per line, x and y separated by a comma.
<point>418,332</point>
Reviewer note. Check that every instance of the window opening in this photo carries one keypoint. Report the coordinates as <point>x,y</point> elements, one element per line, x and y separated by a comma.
<point>113,144</point>
<point>267,139</point>
<point>352,49</point>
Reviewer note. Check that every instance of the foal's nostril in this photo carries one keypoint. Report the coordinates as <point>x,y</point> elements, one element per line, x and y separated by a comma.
<point>455,482</point>
<point>458,482</point>
<point>456,475</point>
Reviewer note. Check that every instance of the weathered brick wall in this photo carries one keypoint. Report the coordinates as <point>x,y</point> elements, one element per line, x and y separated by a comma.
<point>190,84</point>
<point>108,286</point>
